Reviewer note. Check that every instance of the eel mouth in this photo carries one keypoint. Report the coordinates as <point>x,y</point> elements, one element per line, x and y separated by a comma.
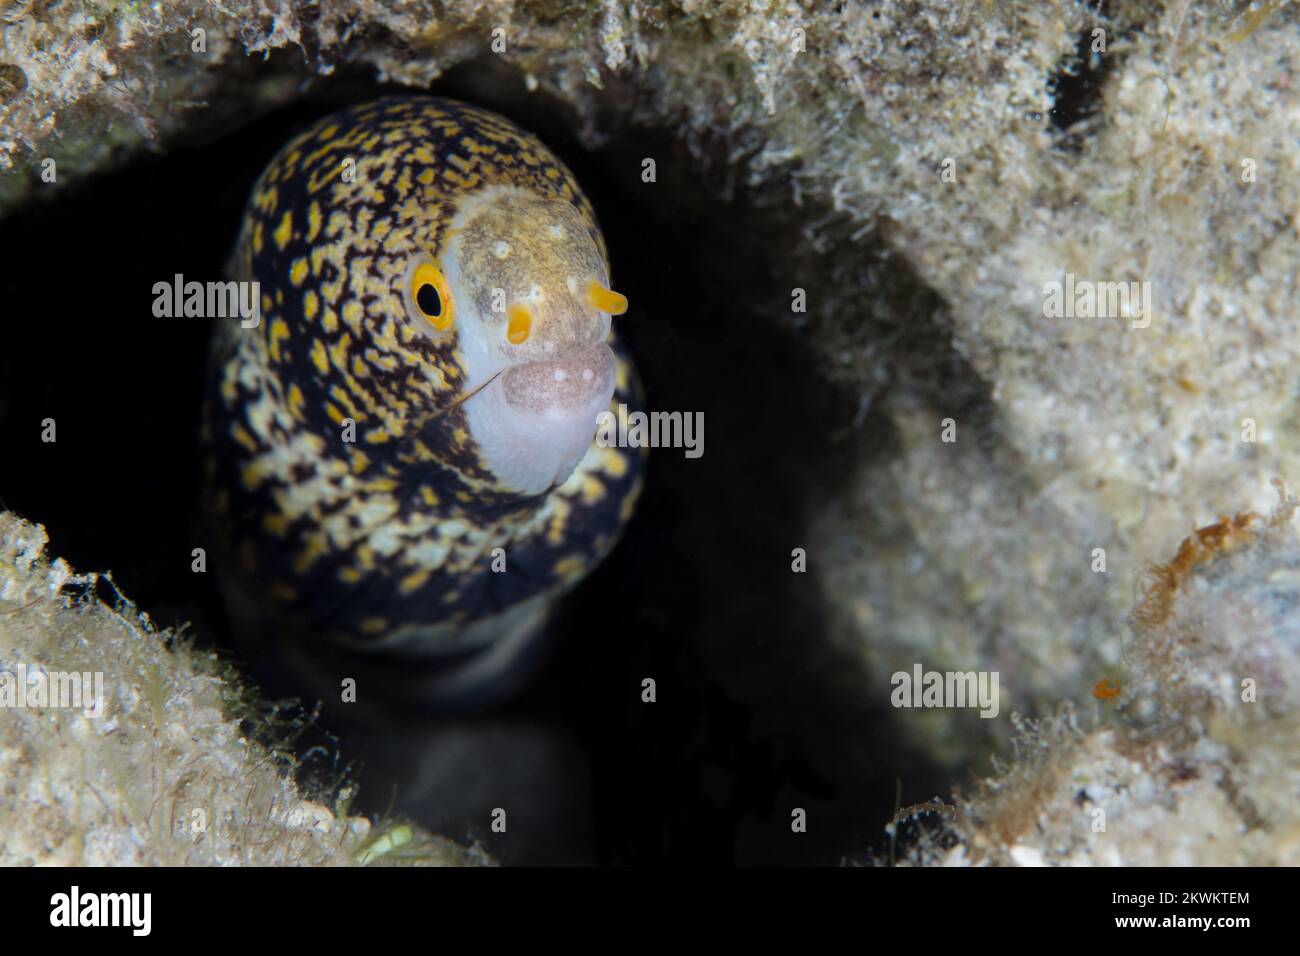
<point>559,385</point>
<point>534,421</point>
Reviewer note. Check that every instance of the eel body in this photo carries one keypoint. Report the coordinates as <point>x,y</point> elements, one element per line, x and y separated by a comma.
<point>400,459</point>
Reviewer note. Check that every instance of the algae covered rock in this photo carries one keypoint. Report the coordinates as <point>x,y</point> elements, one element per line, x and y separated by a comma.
<point>123,745</point>
<point>1190,759</point>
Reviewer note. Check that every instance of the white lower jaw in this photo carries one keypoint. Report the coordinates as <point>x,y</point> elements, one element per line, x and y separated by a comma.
<point>533,423</point>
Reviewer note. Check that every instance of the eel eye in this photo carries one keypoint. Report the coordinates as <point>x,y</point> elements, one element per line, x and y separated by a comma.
<point>431,296</point>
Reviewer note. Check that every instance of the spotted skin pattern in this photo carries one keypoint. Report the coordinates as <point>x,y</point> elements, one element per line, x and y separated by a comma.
<point>388,541</point>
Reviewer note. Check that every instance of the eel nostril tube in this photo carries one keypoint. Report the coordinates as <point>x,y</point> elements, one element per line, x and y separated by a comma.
<point>605,300</point>
<point>520,325</point>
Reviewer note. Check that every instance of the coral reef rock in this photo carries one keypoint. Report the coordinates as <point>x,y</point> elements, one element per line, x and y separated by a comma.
<point>123,745</point>
<point>1198,763</point>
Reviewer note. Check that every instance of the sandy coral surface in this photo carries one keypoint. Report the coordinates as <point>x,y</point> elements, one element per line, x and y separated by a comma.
<point>151,762</point>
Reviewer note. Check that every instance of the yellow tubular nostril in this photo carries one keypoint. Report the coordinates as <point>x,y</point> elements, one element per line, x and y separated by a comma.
<point>520,325</point>
<point>605,300</point>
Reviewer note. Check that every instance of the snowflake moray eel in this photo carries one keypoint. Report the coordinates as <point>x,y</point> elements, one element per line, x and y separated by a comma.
<point>400,466</point>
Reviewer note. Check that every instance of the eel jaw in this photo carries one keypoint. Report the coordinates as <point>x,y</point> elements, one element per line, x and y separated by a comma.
<point>534,421</point>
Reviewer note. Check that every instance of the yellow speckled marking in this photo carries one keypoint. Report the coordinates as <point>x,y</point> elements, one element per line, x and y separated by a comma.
<point>314,549</point>
<point>244,438</point>
<point>279,333</point>
<point>413,582</point>
<point>284,232</point>
<point>570,567</point>
<point>320,357</point>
